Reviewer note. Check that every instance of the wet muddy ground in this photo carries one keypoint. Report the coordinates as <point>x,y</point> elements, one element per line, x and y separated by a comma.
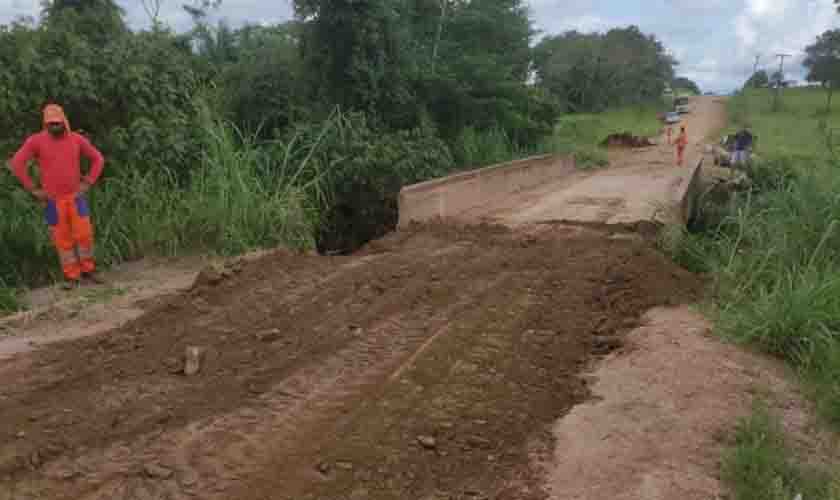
<point>432,364</point>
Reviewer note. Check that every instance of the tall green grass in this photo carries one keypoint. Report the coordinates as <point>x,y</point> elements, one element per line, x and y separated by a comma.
<point>479,148</point>
<point>775,253</point>
<point>759,465</point>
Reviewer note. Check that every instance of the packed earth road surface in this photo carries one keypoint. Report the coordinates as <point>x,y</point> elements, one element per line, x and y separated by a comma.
<point>639,185</point>
<point>539,349</point>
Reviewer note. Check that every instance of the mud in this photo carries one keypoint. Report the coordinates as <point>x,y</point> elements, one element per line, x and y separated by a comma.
<point>627,140</point>
<point>430,365</point>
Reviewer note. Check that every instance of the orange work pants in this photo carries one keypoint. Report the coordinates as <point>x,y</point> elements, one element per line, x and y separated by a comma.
<point>680,155</point>
<point>72,234</point>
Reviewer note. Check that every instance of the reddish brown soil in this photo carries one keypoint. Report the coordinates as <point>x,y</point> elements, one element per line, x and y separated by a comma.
<point>430,365</point>
<point>627,140</point>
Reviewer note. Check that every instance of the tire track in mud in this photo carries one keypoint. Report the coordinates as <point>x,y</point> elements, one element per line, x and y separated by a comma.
<point>475,335</point>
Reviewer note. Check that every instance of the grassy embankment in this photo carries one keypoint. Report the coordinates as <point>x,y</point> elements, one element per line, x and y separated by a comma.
<point>774,254</point>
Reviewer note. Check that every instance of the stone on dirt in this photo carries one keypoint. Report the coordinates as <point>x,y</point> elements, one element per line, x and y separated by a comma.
<point>173,365</point>
<point>427,442</point>
<point>269,335</point>
<point>193,361</point>
<point>188,480</point>
<point>157,472</point>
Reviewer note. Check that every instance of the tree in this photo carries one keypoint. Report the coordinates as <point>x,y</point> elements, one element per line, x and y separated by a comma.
<point>478,79</point>
<point>152,8</point>
<point>262,87</point>
<point>590,72</point>
<point>354,53</point>
<point>759,79</point>
<point>686,84</point>
<point>777,79</point>
<point>98,21</point>
<point>823,62</point>
<point>200,9</point>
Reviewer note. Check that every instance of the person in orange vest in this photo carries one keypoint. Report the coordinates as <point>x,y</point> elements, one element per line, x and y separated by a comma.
<point>58,151</point>
<point>682,143</point>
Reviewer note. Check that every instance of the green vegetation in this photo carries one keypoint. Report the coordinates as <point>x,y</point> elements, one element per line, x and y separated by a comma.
<point>593,72</point>
<point>8,300</point>
<point>760,465</point>
<point>759,79</point>
<point>823,63</point>
<point>774,250</point>
<point>685,87</point>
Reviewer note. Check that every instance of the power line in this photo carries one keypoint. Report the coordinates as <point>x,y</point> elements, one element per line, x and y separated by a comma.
<point>780,81</point>
<point>755,70</point>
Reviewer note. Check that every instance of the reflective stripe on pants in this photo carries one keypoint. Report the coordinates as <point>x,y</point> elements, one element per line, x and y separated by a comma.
<point>72,234</point>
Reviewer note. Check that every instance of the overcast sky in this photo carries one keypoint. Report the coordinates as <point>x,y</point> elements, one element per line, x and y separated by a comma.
<point>716,41</point>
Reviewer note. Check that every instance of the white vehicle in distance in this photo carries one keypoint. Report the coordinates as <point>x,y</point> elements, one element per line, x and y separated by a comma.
<point>681,105</point>
<point>672,117</point>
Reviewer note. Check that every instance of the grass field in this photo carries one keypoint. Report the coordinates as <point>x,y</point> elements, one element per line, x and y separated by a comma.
<point>774,253</point>
<point>759,464</point>
<point>799,131</point>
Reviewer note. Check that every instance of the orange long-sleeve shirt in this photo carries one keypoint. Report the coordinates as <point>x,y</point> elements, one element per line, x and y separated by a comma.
<point>59,161</point>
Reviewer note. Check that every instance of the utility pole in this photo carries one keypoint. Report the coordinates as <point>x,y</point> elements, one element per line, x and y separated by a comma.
<point>752,76</point>
<point>780,80</point>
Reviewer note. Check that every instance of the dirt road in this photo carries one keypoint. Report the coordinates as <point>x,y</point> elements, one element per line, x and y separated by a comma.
<point>433,363</point>
<point>443,362</point>
<point>640,184</point>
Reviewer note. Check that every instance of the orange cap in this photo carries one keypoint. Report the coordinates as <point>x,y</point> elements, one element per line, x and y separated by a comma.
<point>53,113</point>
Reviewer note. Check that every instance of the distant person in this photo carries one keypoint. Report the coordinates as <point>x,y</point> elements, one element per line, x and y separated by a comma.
<point>58,151</point>
<point>670,135</point>
<point>682,143</point>
<point>743,146</point>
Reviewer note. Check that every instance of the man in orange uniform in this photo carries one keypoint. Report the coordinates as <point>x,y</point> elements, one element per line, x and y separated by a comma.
<point>682,142</point>
<point>58,151</point>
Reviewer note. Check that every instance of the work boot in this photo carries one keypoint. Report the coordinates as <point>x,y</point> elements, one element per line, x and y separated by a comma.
<point>93,278</point>
<point>68,285</point>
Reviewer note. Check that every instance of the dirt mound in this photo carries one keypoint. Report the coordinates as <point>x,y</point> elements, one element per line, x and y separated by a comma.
<point>627,140</point>
<point>430,364</point>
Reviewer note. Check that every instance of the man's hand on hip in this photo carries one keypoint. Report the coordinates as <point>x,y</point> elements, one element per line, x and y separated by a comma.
<point>40,195</point>
<point>84,188</point>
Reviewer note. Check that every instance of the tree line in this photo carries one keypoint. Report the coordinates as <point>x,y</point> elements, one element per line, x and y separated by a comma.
<point>595,71</point>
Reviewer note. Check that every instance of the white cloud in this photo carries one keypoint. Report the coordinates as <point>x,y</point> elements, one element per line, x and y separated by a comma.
<point>767,8</point>
<point>745,31</point>
<point>585,24</point>
<point>13,9</point>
